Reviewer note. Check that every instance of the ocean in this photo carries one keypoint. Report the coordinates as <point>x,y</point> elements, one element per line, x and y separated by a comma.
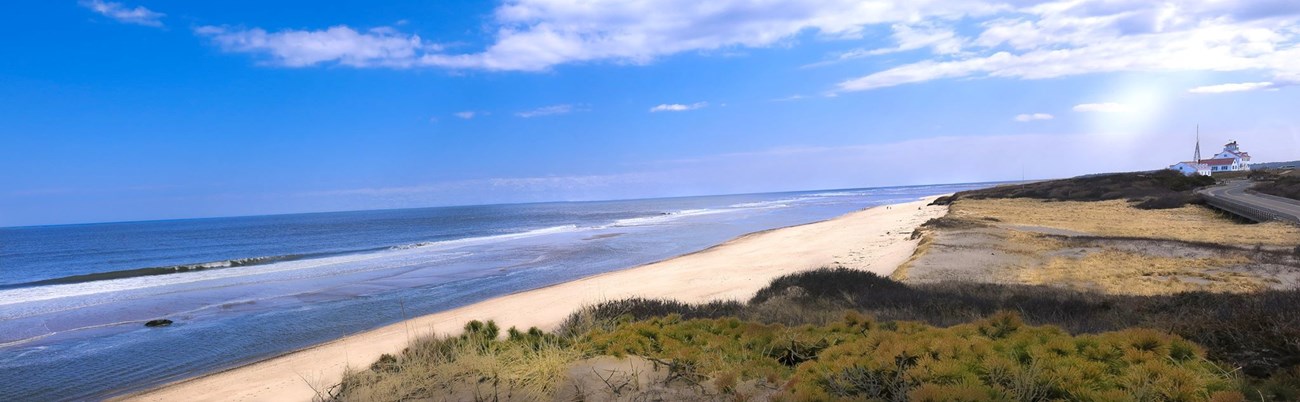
<point>74,298</point>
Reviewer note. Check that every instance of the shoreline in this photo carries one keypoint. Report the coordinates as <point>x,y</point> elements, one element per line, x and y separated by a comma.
<point>874,239</point>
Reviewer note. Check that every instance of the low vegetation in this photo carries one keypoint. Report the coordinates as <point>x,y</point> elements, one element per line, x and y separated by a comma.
<point>1103,246</point>
<point>476,365</point>
<point>1190,223</point>
<point>1146,190</point>
<point>1124,272</point>
<point>848,334</point>
<point>1282,183</point>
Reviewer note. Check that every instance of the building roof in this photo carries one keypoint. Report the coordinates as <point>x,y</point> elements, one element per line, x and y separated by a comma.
<point>1219,161</point>
<point>1193,164</point>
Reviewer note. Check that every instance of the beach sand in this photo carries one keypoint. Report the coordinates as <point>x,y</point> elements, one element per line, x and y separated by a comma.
<point>875,240</point>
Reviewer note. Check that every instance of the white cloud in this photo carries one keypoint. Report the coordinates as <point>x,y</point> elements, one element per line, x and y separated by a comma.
<point>550,110</point>
<point>466,114</point>
<point>339,44</point>
<point>533,35</point>
<point>1020,39</point>
<point>1064,38</point>
<point>677,107</point>
<point>1108,107</point>
<point>940,41</point>
<point>1235,87</point>
<point>538,34</point>
<point>124,14</point>
<point>1033,117</point>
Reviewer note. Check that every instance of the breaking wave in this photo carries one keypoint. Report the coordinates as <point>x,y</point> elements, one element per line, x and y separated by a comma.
<point>171,269</point>
<point>488,239</point>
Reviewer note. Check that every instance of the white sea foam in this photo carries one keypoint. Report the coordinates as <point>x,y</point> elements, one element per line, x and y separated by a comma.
<point>781,203</point>
<point>763,204</point>
<point>837,194</point>
<point>423,252</point>
<point>489,239</point>
<point>664,218</point>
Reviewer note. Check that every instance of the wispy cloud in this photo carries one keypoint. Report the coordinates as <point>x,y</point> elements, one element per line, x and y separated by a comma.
<point>125,14</point>
<point>1235,87</point>
<point>381,46</point>
<point>678,107</point>
<point>468,114</point>
<point>551,110</point>
<point>535,35</point>
<point>1108,107</point>
<point>1028,117</point>
<point>940,40</point>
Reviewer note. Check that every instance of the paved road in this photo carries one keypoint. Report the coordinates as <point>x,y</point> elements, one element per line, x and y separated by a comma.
<point>1233,194</point>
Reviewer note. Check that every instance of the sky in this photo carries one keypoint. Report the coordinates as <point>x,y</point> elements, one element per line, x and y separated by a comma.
<point>141,110</point>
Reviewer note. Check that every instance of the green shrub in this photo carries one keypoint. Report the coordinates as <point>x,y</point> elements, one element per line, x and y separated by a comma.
<point>1275,183</point>
<point>609,313</point>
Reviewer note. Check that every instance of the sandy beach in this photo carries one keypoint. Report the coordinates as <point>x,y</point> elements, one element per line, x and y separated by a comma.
<point>875,240</point>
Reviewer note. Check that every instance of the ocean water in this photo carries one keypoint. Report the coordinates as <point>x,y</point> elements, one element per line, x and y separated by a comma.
<point>74,298</point>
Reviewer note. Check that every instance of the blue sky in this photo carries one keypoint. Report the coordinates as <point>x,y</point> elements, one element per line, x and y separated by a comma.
<point>137,110</point>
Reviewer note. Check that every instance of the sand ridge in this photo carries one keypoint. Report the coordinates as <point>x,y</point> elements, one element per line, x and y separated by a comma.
<point>875,239</point>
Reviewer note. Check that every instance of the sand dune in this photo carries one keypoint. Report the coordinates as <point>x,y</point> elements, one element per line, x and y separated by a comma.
<point>875,239</point>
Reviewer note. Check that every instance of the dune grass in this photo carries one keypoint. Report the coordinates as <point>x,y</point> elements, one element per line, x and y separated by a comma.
<point>1121,272</point>
<point>998,358</point>
<point>476,365</point>
<point>1112,247</point>
<point>1117,218</point>
<point>848,334</point>
<point>1159,189</point>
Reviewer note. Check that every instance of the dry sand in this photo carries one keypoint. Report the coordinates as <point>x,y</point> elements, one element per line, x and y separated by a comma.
<point>875,240</point>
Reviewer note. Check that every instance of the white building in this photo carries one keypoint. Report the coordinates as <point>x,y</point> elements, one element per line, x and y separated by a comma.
<point>1191,168</point>
<point>1232,159</point>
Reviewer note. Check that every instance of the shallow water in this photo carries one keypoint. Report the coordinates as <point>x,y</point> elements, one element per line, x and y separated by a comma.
<point>73,298</point>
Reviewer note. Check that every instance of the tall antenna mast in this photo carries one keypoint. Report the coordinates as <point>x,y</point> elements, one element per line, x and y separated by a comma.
<point>1197,156</point>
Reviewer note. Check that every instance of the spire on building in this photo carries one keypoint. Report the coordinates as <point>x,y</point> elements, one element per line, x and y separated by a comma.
<point>1197,156</point>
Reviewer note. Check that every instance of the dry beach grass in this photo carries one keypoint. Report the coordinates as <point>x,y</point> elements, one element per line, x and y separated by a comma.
<point>1118,218</point>
<point>1107,246</point>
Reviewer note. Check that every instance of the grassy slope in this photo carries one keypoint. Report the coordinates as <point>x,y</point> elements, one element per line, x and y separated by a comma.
<point>1147,190</point>
<point>808,336</point>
